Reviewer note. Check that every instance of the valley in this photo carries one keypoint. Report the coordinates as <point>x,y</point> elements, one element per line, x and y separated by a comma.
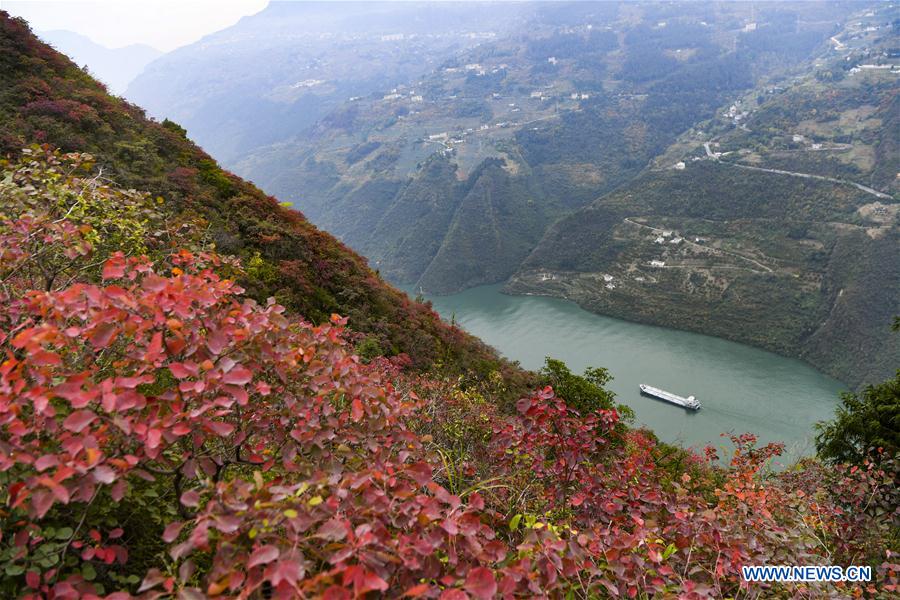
<point>204,394</point>
<point>549,147</point>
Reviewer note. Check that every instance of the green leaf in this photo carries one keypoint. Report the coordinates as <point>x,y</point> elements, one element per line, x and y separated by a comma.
<point>64,533</point>
<point>514,522</point>
<point>669,551</point>
<point>88,572</point>
<point>13,569</point>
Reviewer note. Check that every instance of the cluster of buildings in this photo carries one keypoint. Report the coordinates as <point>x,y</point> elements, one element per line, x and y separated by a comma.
<point>888,68</point>
<point>307,83</point>
<point>736,113</point>
<point>664,238</point>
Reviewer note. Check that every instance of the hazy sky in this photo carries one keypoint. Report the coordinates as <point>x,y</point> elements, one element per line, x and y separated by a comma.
<point>163,24</point>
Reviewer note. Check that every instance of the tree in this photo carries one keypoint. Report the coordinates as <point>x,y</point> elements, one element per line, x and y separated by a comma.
<point>585,393</point>
<point>863,423</point>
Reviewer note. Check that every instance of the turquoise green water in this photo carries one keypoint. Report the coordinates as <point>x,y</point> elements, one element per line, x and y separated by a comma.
<point>742,388</point>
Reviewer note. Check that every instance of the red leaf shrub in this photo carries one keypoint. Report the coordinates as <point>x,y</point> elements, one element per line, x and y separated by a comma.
<point>265,457</point>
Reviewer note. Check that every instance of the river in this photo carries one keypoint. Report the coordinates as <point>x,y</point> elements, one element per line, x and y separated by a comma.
<point>743,389</point>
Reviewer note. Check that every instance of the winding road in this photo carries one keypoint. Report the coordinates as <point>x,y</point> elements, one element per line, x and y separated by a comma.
<point>712,155</point>
<point>858,186</point>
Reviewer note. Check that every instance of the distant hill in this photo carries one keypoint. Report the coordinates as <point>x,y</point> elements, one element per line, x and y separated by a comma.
<point>115,67</point>
<point>276,73</point>
<point>530,125</point>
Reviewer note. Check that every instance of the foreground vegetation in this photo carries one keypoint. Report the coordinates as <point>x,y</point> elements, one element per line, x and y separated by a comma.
<point>162,434</point>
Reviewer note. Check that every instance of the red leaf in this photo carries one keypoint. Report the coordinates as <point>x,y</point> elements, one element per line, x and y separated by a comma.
<point>287,570</point>
<point>104,474</point>
<point>216,341</point>
<point>154,437</point>
<point>417,590</point>
<point>103,334</point>
<point>333,530</point>
<point>190,498</point>
<point>78,420</point>
<point>118,490</point>
<point>42,358</point>
<point>180,429</point>
<point>171,531</point>
<point>33,579</point>
<point>449,525</point>
<point>336,593</point>
<point>356,409</point>
<point>420,472</point>
<point>239,375</point>
<point>371,582</point>
<point>263,555</point>
<point>154,348</point>
<point>45,462</point>
<point>220,428</point>
<point>480,583</point>
<point>153,578</point>
<point>179,371</point>
<point>114,268</point>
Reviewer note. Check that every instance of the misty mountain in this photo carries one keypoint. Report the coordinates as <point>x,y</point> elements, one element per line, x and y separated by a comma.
<point>276,73</point>
<point>115,67</point>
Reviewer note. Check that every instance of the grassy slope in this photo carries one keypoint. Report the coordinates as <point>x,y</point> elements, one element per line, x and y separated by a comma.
<point>45,98</point>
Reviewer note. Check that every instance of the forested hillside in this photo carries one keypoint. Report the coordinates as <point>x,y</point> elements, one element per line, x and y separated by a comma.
<point>280,71</point>
<point>46,99</point>
<point>181,417</point>
<point>774,223</point>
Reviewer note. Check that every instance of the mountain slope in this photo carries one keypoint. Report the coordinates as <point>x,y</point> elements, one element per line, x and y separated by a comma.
<point>45,98</point>
<point>776,223</point>
<point>574,103</point>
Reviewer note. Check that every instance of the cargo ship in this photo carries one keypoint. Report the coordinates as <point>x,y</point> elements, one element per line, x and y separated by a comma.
<point>690,402</point>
